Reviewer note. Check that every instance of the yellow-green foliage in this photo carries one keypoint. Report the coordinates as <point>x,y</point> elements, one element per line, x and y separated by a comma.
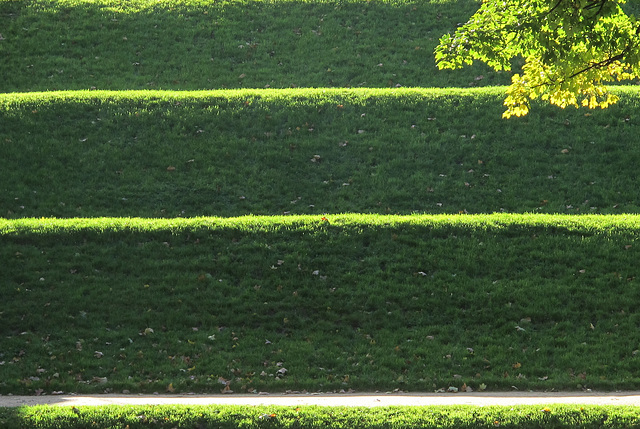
<point>571,48</point>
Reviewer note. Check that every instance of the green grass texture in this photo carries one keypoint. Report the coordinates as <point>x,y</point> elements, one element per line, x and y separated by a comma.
<point>223,417</point>
<point>196,44</point>
<point>271,152</point>
<point>311,303</point>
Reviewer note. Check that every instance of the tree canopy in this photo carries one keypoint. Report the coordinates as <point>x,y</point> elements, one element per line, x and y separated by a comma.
<point>571,49</point>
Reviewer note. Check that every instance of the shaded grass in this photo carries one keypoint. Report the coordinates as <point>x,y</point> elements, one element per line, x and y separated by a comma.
<point>318,151</point>
<point>302,303</point>
<point>142,44</point>
<point>556,416</point>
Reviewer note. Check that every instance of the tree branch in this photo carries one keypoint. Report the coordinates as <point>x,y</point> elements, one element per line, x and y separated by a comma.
<point>603,63</point>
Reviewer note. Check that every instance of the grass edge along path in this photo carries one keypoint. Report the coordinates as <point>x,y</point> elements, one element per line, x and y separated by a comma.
<point>222,417</point>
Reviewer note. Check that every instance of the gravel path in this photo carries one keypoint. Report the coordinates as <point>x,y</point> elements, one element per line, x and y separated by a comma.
<point>349,399</point>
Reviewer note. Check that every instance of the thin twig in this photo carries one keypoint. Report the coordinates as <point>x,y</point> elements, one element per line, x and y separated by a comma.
<point>600,64</point>
<point>553,8</point>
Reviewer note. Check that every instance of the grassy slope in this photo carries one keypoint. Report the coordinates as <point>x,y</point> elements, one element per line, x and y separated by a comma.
<point>195,44</point>
<point>252,151</point>
<point>361,302</point>
<point>201,44</point>
<point>351,302</point>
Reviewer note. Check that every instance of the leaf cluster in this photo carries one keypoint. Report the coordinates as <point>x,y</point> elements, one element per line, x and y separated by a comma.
<point>570,49</point>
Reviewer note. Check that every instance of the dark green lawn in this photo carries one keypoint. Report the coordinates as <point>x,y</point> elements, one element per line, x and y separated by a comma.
<point>322,118</point>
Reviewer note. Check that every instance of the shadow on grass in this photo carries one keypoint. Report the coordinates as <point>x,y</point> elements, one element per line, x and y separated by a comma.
<point>243,44</point>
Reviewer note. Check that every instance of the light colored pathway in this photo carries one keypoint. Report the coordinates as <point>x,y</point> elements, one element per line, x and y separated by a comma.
<point>348,399</point>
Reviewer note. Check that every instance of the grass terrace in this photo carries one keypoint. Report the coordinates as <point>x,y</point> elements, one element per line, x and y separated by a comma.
<point>202,44</point>
<point>310,151</point>
<point>338,302</point>
<point>275,196</point>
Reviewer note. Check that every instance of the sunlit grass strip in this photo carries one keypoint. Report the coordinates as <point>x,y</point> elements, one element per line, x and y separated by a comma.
<point>222,417</point>
<point>15,99</point>
<point>588,224</point>
<point>8,100</point>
